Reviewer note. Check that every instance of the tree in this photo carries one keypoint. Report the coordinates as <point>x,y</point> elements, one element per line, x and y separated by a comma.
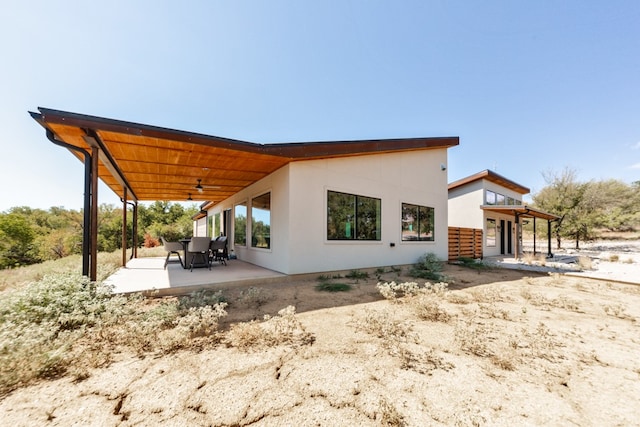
<point>560,197</point>
<point>16,241</point>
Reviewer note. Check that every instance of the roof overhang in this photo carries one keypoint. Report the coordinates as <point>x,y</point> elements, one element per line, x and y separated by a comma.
<point>491,176</point>
<point>521,211</point>
<point>156,163</point>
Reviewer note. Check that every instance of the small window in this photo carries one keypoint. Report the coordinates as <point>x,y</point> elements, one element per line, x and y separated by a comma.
<point>417,223</point>
<point>491,232</point>
<point>500,200</point>
<point>240,225</point>
<point>511,201</point>
<point>353,217</point>
<point>261,221</point>
<point>490,198</point>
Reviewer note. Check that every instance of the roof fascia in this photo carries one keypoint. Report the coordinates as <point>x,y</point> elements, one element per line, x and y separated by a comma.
<point>293,150</point>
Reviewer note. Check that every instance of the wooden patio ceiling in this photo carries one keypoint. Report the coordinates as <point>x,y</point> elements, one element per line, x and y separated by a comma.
<point>157,163</point>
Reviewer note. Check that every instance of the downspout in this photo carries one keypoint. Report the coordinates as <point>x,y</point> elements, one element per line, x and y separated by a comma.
<point>87,199</point>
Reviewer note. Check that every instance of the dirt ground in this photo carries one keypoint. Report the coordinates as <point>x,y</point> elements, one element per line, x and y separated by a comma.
<point>499,347</point>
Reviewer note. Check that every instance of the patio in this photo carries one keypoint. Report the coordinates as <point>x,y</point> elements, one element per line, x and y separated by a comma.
<point>147,275</point>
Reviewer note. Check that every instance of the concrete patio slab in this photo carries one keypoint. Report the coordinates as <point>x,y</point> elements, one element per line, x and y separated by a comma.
<point>148,275</point>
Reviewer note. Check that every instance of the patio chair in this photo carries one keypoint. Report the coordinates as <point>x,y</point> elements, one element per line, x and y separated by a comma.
<point>219,250</point>
<point>171,248</point>
<point>199,248</point>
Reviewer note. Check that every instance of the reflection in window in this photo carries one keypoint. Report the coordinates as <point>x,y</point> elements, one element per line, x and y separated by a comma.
<point>216,225</point>
<point>491,232</point>
<point>240,225</point>
<point>417,222</point>
<point>491,198</point>
<point>261,221</point>
<point>500,199</point>
<point>352,217</point>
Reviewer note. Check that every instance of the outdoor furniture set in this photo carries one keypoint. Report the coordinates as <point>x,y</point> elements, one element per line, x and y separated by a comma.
<point>198,251</point>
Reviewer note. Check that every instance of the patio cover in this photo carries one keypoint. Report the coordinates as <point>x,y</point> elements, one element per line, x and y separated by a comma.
<point>521,211</point>
<point>156,163</point>
<point>524,211</point>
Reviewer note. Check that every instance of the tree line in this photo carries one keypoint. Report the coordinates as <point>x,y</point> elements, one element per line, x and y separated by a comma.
<point>587,208</point>
<point>29,236</point>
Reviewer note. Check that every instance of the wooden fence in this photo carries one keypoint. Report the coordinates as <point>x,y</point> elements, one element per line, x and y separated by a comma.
<point>465,243</point>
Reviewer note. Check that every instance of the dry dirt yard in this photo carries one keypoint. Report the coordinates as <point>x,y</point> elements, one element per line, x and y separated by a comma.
<point>498,347</point>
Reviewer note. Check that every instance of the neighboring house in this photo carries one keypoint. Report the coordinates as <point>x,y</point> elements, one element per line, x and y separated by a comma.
<point>492,203</point>
<point>291,207</point>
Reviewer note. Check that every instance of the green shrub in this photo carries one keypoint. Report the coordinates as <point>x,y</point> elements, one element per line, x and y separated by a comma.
<point>472,263</point>
<point>357,274</point>
<point>333,287</point>
<point>427,267</point>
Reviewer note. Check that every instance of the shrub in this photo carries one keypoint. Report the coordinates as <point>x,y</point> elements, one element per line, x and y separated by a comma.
<point>284,328</point>
<point>472,263</point>
<point>65,323</point>
<point>150,241</point>
<point>254,297</point>
<point>201,298</point>
<point>333,287</point>
<point>427,307</point>
<point>392,290</point>
<point>427,267</point>
<point>356,274</point>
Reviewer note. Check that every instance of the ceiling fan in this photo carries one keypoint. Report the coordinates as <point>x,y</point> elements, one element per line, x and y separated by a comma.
<point>201,187</point>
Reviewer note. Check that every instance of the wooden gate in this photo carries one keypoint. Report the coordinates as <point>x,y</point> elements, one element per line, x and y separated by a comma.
<point>465,243</point>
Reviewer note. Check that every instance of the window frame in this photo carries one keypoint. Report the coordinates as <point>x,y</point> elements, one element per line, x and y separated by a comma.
<point>495,232</point>
<point>236,242</point>
<point>431,215</point>
<point>352,226</point>
<point>253,223</point>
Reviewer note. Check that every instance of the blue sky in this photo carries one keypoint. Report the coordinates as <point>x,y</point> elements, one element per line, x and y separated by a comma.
<point>529,87</point>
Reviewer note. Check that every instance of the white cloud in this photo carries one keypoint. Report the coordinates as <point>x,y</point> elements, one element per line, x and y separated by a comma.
<point>636,166</point>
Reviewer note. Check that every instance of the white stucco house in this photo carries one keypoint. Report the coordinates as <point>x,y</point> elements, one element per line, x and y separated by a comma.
<point>293,207</point>
<point>339,213</point>
<point>492,203</point>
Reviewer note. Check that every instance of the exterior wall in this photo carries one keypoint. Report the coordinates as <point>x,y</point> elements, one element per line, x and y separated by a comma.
<point>276,258</point>
<point>410,177</point>
<point>464,211</point>
<point>495,250</point>
<point>464,206</point>
<point>299,211</point>
<point>200,227</point>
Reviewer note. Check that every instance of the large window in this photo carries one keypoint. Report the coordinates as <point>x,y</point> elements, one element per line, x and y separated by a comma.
<point>352,217</point>
<point>417,222</point>
<point>261,221</point>
<point>491,232</point>
<point>240,225</point>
